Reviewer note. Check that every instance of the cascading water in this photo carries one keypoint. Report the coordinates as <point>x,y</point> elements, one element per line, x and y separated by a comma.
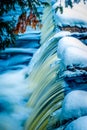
<point>31,93</point>
<point>14,91</point>
<point>48,24</point>
<point>43,78</point>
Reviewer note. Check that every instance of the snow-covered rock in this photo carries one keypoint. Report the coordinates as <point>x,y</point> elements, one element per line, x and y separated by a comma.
<point>74,105</point>
<point>66,42</point>
<point>72,52</point>
<point>61,34</point>
<point>74,57</point>
<point>78,124</point>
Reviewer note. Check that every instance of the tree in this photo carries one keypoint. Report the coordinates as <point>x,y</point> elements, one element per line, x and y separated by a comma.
<point>8,31</point>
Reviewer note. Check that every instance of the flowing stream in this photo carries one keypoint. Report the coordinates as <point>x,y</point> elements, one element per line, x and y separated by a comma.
<point>14,91</point>
<point>30,86</point>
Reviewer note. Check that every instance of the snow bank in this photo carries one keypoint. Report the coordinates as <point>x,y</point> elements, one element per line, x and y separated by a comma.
<point>74,105</point>
<point>79,124</point>
<point>76,16</point>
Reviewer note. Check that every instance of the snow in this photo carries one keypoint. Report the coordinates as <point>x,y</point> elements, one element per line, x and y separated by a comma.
<point>74,74</point>
<point>66,42</point>
<point>78,124</point>
<point>74,105</point>
<point>61,34</point>
<point>75,57</point>
<point>72,52</point>
<point>75,16</point>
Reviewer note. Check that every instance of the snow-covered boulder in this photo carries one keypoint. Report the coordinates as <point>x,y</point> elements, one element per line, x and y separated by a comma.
<point>74,57</point>
<point>74,105</point>
<point>67,42</point>
<point>78,124</point>
<point>72,52</point>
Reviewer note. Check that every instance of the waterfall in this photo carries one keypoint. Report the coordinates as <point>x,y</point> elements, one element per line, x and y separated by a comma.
<point>48,89</point>
<point>33,90</point>
<point>42,87</point>
<point>48,24</point>
<point>44,78</point>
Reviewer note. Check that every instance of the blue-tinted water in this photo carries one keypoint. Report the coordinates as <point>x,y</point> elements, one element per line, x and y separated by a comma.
<point>14,91</point>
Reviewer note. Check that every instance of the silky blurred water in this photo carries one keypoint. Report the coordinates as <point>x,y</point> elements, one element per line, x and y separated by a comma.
<point>14,90</point>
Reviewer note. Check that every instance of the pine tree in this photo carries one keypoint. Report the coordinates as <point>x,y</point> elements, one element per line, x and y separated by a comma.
<point>7,35</point>
<point>8,31</point>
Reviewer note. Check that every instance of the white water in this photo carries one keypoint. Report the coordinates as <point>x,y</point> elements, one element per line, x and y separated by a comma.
<point>14,90</point>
